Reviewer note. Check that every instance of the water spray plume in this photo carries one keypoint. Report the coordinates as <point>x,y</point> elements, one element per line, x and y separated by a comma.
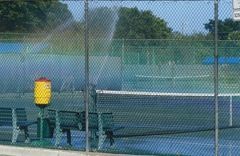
<point>112,26</point>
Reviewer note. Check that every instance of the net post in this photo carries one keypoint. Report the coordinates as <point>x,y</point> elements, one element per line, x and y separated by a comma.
<point>230,112</point>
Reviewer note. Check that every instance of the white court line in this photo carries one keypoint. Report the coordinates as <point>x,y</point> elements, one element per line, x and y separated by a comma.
<point>174,77</point>
<point>162,93</point>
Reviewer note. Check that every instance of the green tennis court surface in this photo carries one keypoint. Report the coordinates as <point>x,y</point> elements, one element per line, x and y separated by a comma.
<point>169,122</point>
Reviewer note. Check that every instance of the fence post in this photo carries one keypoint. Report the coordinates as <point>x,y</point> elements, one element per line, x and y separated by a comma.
<point>86,74</point>
<point>216,74</point>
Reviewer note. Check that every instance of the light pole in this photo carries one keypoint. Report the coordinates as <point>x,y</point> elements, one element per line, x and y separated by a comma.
<point>183,27</point>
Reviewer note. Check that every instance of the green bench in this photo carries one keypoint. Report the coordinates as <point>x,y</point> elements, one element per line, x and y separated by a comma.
<point>16,118</point>
<point>65,121</point>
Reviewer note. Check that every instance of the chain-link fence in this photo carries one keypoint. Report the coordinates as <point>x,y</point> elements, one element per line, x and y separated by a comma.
<point>151,77</point>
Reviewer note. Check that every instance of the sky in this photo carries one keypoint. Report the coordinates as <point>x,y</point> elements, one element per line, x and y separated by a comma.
<point>187,17</point>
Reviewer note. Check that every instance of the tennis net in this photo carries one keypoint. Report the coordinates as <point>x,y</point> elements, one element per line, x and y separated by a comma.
<point>156,113</point>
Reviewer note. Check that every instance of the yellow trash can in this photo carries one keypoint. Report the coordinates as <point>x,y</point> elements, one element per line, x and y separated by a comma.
<point>42,92</point>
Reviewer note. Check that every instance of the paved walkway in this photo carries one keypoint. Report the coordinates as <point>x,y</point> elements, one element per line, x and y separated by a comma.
<point>29,151</point>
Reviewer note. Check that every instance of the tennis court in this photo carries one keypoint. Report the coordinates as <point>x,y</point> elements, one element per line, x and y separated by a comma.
<point>154,122</point>
<point>157,123</point>
<point>166,111</point>
<point>197,78</point>
<point>174,121</point>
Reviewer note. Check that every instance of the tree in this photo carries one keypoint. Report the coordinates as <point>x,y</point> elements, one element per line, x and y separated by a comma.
<point>32,16</point>
<point>57,15</point>
<point>235,35</point>
<point>224,27</point>
<point>135,24</point>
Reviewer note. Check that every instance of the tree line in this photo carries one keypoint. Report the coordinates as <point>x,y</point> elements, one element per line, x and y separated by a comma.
<point>44,16</point>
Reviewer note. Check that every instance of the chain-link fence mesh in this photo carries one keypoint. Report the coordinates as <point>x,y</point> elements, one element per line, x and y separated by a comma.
<point>151,76</point>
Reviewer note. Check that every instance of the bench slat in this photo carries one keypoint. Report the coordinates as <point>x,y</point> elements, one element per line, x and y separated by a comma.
<point>6,116</point>
<point>93,120</point>
<point>107,121</point>
<point>21,114</point>
<point>69,119</point>
<point>17,118</point>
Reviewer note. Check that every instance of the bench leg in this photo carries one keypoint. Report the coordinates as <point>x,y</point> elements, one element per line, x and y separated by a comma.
<point>68,137</point>
<point>93,138</point>
<point>58,130</point>
<point>110,136</point>
<point>101,133</point>
<point>16,131</point>
<point>59,134</point>
<point>102,138</point>
<point>27,139</point>
<point>58,137</point>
